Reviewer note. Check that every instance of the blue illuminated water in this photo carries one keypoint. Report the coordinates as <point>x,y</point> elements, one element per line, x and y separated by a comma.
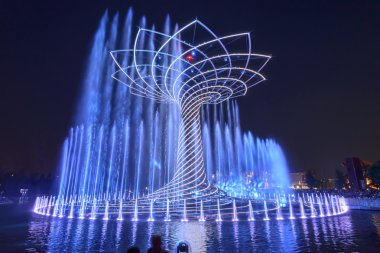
<point>23,231</point>
<point>124,146</point>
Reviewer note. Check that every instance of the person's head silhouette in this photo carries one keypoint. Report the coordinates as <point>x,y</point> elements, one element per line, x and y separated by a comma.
<point>182,247</point>
<point>133,249</point>
<point>156,241</point>
<point>156,247</point>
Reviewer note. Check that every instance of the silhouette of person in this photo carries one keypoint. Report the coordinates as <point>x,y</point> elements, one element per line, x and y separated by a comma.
<point>133,249</point>
<point>156,245</point>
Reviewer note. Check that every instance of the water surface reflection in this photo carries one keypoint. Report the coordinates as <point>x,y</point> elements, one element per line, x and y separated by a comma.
<point>343,233</point>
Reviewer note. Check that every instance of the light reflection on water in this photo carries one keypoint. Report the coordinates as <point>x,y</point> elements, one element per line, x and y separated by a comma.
<point>376,222</point>
<point>355,231</point>
<point>64,235</point>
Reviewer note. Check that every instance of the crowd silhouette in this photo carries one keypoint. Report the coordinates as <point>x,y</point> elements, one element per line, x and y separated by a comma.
<point>156,246</point>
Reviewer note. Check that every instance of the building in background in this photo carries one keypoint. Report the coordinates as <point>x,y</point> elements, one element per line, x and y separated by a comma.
<point>297,180</point>
<point>357,171</point>
<point>327,183</point>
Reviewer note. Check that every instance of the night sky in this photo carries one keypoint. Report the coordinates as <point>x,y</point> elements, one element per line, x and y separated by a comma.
<point>321,101</point>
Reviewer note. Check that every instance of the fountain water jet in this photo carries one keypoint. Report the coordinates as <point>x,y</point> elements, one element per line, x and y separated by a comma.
<point>184,218</point>
<point>135,215</point>
<point>219,217</point>
<point>62,209</point>
<point>327,206</point>
<point>321,212</point>
<point>291,215</point>
<point>167,217</point>
<point>312,209</point>
<point>49,205</point>
<point>56,206</point>
<point>251,216</point>
<point>266,211</point>
<point>338,205</point>
<point>202,215</point>
<point>71,215</point>
<point>120,216</point>
<point>303,216</point>
<point>278,211</point>
<point>235,217</point>
<point>36,205</point>
<point>93,209</point>
<point>106,210</point>
<point>151,218</point>
<point>82,209</point>
<point>333,206</point>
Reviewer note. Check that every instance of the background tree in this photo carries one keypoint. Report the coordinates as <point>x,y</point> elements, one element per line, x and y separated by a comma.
<point>339,179</point>
<point>374,173</point>
<point>310,179</point>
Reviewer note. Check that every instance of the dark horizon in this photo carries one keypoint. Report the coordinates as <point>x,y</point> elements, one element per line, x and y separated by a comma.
<point>321,100</point>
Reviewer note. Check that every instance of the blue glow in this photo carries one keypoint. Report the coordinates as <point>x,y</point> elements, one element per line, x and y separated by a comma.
<point>123,150</point>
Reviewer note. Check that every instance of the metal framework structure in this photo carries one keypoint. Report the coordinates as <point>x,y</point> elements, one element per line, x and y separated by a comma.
<point>198,72</point>
<point>190,67</point>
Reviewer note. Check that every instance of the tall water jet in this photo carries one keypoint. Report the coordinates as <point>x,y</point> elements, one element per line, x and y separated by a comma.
<point>184,217</point>
<point>202,215</point>
<point>248,156</point>
<point>338,205</point>
<point>312,209</point>
<point>95,158</point>
<point>120,216</point>
<point>42,206</point>
<point>47,205</point>
<point>50,203</point>
<point>36,205</point>
<point>291,215</point>
<point>151,218</point>
<point>321,212</point>
<point>167,217</point>
<point>327,206</point>
<point>93,209</point>
<point>266,211</point>
<point>303,216</point>
<point>334,211</point>
<point>82,209</point>
<point>219,216</point>
<point>278,211</point>
<point>56,207</point>
<point>106,210</point>
<point>250,212</point>
<point>343,204</point>
<point>135,214</point>
<point>62,209</point>
<point>71,215</point>
<point>235,216</point>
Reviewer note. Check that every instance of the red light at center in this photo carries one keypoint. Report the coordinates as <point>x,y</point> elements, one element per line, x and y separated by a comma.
<point>189,57</point>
